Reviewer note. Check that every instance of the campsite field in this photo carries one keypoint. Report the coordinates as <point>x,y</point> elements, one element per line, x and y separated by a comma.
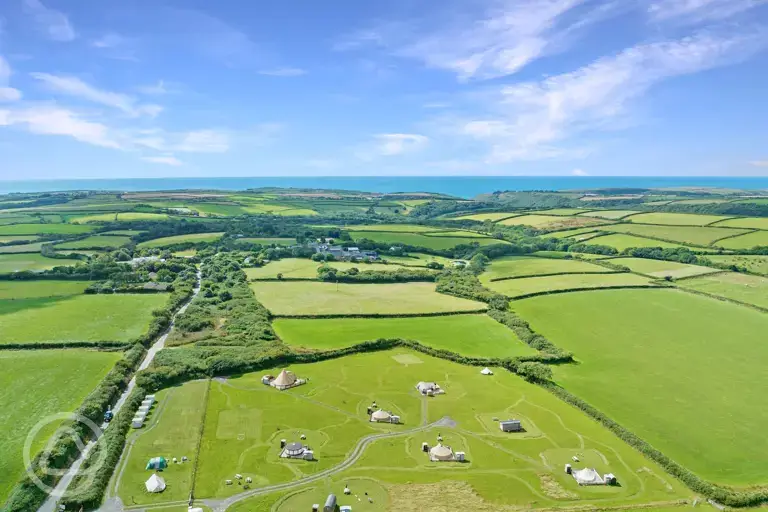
<point>651,360</point>
<point>675,219</point>
<point>692,235</point>
<point>421,240</point>
<point>245,420</point>
<point>748,241</point>
<point>470,335</point>
<point>96,242</point>
<point>661,269</point>
<point>10,263</point>
<point>732,285</point>
<point>317,298</point>
<point>517,266</point>
<point>529,285</point>
<point>623,242</point>
<point>44,229</point>
<point>552,222</point>
<point>34,384</point>
<point>756,264</point>
<point>181,239</point>
<point>82,318</point>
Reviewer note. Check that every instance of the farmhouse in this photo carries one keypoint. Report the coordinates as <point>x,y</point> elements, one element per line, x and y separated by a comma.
<point>510,426</point>
<point>284,381</point>
<point>429,388</point>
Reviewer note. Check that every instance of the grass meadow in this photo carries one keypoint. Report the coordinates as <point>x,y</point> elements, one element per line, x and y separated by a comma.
<point>732,285</point>
<point>516,266</point>
<point>552,222</point>
<point>44,229</point>
<point>745,222</point>
<point>17,238</point>
<point>748,241</point>
<point>245,421</point>
<point>180,239</point>
<point>420,240</point>
<point>96,242</point>
<point>578,234</point>
<point>416,259</point>
<point>482,217</point>
<point>396,228</point>
<point>684,372</point>
<point>693,235</point>
<point>268,241</point>
<point>470,335</point>
<point>15,290</point>
<point>85,318</point>
<point>676,219</point>
<point>661,269</point>
<point>318,298</point>
<point>34,384</point>
<point>609,214</point>
<point>518,287</point>
<point>10,263</point>
<point>22,248</point>
<point>564,211</point>
<point>623,242</point>
<point>307,269</point>
<point>756,264</point>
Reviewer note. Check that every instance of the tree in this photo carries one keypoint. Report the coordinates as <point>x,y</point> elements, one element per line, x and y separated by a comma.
<point>478,263</point>
<point>279,276</point>
<point>435,265</point>
<point>534,371</point>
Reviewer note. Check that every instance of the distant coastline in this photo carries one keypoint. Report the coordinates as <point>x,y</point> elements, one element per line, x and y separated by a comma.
<point>459,186</point>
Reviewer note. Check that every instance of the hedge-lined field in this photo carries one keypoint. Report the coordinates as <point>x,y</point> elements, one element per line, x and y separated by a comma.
<point>34,384</point>
<point>396,228</point>
<point>514,266</point>
<point>267,241</point>
<point>317,298</point>
<point>622,242</point>
<point>528,285</point>
<point>419,240</point>
<point>731,285</point>
<point>181,239</point>
<point>96,242</point>
<point>563,211</point>
<point>10,263</point>
<point>676,219</point>
<point>748,241</point>
<point>17,238</point>
<point>746,222</point>
<point>552,221</point>
<point>38,289</point>
<point>661,269</point>
<point>756,264</point>
<point>684,372</point>
<point>44,229</point>
<point>83,318</point>
<point>482,217</point>
<point>694,235</point>
<point>609,214</point>
<point>303,268</point>
<point>468,335</point>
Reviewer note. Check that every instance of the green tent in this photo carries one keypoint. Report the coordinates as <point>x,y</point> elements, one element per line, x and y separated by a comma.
<point>157,463</point>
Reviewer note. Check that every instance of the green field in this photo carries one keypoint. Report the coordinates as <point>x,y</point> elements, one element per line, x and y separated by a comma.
<point>96,242</point>
<point>10,263</point>
<point>694,235</point>
<point>469,335</point>
<point>396,228</point>
<point>675,219</point>
<point>317,298</point>
<point>609,214</point>
<point>35,384</point>
<point>117,217</point>
<point>245,420</point>
<point>516,266</point>
<point>17,238</point>
<point>418,240</point>
<point>563,211</point>
<point>88,318</point>
<point>661,269</point>
<point>268,241</point>
<point>664,364</point>
<point>123,232</point>
<point>622,242</point>
<point>40,289</point>
<point>756,264</point>
<point>574,255</point>
<point>181,239</point>
<point>578,234</point>
<point>525,286</point>
<point>748,241</point>
<point>745,222</point>
<point>416,259</point>
<point>44,229</point>
<point>482,217</point>
<point>22,248</point>
<point>458,233</point>
<point>731,285</point>
<point>289,267</point>
<point>552,222</point>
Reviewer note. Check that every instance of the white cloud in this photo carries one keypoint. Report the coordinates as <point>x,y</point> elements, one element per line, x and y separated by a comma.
<point>7,93</point>
<point>109,40</point>
<point>532,119</point>
<point>165,160</point>
<point>759,163</point>
<point>283,72</point>
<point>579,172</point>
<point>54,120</point>
<point>694,11</point>
<point>389,144</point>
<point>73,86</point>
<point>53,23</point>
<point>204,141</point>
<point>153,90</point>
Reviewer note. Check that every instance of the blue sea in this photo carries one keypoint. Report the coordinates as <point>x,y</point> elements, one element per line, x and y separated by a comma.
<point>459,186</point>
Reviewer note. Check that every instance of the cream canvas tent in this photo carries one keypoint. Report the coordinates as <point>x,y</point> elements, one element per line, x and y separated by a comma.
<point>155,484</point>
<point>285,380</point>
<point>588,476</point>
<point>381,416</point>
<point>486,371</point>
<point>441,453</point>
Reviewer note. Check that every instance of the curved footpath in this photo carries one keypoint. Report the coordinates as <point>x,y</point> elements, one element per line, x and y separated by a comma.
<point>50,504</point>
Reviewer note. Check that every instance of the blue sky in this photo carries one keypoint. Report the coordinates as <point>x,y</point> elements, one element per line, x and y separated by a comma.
<point>155,88</point>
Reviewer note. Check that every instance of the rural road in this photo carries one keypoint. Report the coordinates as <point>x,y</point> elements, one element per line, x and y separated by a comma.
<point>50,504</point>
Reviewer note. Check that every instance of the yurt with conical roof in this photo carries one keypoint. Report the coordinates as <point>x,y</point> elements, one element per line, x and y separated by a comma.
<point>285,380</point>
<point>441,453</point>
<point>381,416</point>
<point>155,483</point>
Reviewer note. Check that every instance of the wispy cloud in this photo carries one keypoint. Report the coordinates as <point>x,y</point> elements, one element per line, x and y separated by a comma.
<point>579,172</point>
<point>695,11</point>
<point>165,160</point>
<point>759,163</point>
<point>116,46</point>
<point>533,119</point>
<point>54,24</point>
<point>157,89</point>
<point>108,40</point>
<point>283,72</point>
<point>7,93</point>
<point>389,144</point>
<point>73,86</point>
<point>54,120</point>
